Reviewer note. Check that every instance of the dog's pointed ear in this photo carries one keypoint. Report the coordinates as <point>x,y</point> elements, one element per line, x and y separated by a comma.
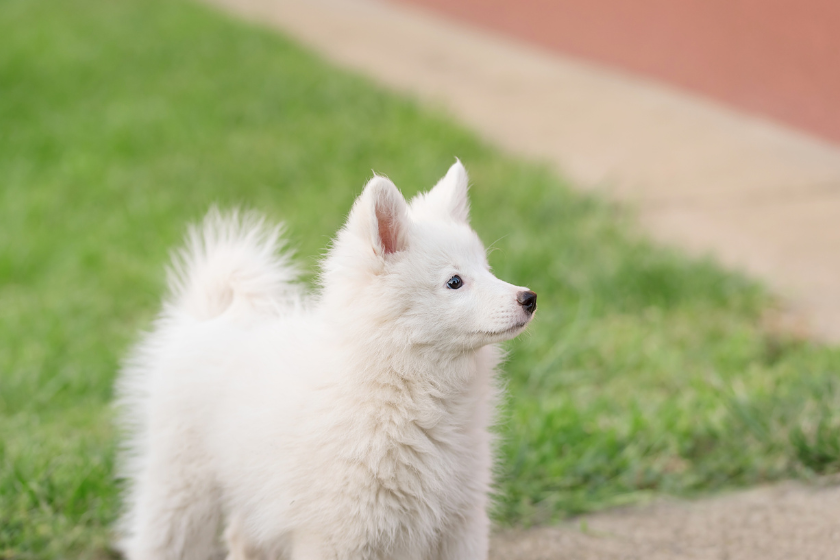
<point>450,193</point>
<point>380,216</point>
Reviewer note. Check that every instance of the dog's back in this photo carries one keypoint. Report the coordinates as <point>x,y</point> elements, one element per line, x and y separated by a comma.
<point>230,264</point>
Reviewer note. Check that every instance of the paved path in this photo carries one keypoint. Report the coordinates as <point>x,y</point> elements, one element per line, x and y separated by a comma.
<point>778,59</point>
<point>754,194</point>
<point>783,522</point>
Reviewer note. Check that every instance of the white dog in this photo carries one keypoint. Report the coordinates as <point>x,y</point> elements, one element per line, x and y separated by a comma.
<point>353,426</point>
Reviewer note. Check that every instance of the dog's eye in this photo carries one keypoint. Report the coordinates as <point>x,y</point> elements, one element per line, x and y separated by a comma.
<point>455,282</point>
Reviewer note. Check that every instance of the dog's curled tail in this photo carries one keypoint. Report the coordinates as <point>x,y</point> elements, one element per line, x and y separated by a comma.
<point>232,259</point>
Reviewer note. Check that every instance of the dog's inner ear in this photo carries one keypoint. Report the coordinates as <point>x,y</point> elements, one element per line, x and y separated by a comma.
<point>389,222</point>
<point>386,214</point>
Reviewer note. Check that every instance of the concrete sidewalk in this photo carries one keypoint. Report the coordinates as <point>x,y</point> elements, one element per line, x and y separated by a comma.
<point>757,196</point>
<point>783,522</point>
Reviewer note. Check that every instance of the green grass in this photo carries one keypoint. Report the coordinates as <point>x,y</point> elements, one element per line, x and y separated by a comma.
<point>646,372</point>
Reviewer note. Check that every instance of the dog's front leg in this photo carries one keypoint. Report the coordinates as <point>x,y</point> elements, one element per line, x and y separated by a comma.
<point>314,545</point>
<point>238,544</point>
<point>466,538</point>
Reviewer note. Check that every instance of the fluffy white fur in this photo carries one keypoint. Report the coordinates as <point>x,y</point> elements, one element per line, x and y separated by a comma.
<point>353,425</point>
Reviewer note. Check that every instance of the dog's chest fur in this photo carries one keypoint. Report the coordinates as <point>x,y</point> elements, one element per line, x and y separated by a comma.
<point>410,452</point>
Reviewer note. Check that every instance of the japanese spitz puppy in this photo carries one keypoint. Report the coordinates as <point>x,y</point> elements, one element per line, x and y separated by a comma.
<point>352,425</point>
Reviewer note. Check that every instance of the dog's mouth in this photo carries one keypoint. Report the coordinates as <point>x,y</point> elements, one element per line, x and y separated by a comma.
<point>507,331</point>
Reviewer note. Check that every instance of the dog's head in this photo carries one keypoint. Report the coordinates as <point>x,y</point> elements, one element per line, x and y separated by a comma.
<point>419,271</point>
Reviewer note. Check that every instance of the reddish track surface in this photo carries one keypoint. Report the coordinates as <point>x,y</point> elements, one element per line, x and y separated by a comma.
<point>779,58</point>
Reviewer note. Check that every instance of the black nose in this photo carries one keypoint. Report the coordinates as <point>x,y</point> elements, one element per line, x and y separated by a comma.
<point>528,301</point>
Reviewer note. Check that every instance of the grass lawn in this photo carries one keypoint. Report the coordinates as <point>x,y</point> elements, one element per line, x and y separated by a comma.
<point>646,372</point>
